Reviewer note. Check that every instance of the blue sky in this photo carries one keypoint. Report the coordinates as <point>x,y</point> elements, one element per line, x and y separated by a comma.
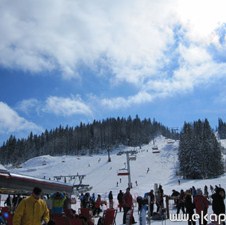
<point>63,62</point>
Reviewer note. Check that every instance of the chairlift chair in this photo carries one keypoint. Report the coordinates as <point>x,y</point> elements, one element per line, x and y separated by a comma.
<point>133,157</point>
<point>109,216</point>
<point>155,149</point>
<point>123,172</point>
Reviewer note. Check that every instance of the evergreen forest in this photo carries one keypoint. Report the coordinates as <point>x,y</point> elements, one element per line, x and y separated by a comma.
<point>85,139</point>
<point>199,154</point>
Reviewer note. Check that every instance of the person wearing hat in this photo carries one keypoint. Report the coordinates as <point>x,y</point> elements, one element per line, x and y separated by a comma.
<point>32,210</point>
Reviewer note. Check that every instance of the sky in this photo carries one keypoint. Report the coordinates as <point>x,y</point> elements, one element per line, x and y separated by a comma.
<point>102,176</point>
<point>63,62</point>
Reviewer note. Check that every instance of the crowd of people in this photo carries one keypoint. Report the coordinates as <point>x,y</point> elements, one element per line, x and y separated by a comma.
<point>193,201</point>
<point>190,202</point>
<point>197,201</point>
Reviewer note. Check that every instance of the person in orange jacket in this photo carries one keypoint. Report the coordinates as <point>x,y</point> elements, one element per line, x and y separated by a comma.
<point>32,210</point>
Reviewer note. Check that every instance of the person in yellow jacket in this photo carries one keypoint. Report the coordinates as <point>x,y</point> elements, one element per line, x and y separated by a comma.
<point>32,210</point>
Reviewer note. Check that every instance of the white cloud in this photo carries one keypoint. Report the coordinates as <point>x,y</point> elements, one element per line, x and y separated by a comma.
<point>67,106</point>
<point>194,55</point>
<point>201,18</point>
<point>10,121</point>
<point>63,34</point>
<point>28,105</point>
<point>59,106</point>
<point>120,102</point>
<point>128,38</point>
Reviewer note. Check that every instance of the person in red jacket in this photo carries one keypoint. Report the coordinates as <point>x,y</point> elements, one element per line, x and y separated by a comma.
<point>201,206</point>
<point>127,202</point>
<point>97,205</point>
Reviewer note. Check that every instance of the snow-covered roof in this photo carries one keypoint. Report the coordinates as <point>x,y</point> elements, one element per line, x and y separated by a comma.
<point>3,169</point>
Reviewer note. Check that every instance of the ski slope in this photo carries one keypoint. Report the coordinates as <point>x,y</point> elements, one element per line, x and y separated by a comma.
<point>102,175</point>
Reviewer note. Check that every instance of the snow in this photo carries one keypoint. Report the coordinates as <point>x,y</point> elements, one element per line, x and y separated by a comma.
<point>2,169</point>
<point>102,175</point>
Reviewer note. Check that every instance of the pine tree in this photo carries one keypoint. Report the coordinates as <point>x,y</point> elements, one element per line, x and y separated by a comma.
<point>221,129</point>
<point>199,151</point>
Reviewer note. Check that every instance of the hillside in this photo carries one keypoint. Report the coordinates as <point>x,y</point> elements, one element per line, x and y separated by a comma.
<point>102,175</point>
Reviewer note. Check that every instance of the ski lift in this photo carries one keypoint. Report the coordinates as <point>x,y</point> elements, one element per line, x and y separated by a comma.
<point>123,172</point>
<point>132,157</point>
<point>155,149</point>
<point>170,141</point>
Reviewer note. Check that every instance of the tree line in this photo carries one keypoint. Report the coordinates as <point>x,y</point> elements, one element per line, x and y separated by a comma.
<point>93,138</point>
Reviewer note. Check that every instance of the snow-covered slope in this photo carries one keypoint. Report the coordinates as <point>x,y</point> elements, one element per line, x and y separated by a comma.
<point>102,175</point>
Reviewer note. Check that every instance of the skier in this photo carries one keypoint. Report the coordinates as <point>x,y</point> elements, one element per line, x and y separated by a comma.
<point>119,197</point>
<point>97,205</point>
<point>110,198</point>
<point>218,205</point>
<point>127,205</point>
